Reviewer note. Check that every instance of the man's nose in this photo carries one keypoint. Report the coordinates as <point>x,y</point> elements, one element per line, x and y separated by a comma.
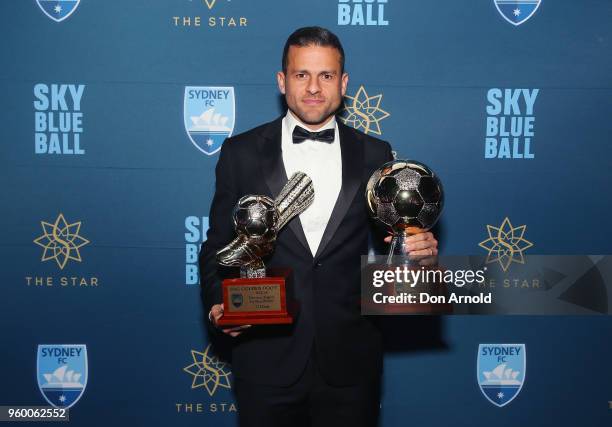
<point>313,86</point>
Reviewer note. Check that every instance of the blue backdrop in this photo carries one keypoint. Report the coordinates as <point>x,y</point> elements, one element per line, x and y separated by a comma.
<point>105,197</point>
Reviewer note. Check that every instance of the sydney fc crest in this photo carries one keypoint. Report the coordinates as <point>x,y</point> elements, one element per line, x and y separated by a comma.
<point>61,370</point>
<point>517,12</point>
<point>501,371</point>
<point>58,10</point>
<point>237,300</point>
<point>209,114</point>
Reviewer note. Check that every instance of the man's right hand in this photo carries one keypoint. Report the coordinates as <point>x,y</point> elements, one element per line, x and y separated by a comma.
<point>215,314</point>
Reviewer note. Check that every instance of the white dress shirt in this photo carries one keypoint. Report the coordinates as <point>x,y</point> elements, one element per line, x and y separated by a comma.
<point>322,162</point>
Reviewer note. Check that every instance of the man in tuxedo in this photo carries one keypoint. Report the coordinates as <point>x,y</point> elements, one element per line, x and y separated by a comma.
<point>325,368</point>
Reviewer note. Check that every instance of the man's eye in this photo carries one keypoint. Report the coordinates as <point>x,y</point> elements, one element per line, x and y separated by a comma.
<point>328,76</point>
<point>300,75</point>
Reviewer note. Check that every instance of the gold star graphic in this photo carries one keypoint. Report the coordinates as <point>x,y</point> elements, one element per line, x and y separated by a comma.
<point>363,112</point>
<point>506,244</point>
<point>208,371</point>
<point>61,241</point>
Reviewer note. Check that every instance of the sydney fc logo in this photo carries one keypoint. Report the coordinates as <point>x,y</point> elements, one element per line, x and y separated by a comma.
<point>58,10</point>
<point>501,371</point>
<point>236,300</point>
<point>62,373</point>
<point>517,12</point>
<point>209,114</point>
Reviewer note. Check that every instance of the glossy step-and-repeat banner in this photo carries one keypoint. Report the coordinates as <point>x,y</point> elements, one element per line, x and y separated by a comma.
<point>113,114</point>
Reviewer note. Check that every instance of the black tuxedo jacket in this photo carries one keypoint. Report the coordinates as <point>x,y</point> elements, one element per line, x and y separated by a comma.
<point>347,346</point>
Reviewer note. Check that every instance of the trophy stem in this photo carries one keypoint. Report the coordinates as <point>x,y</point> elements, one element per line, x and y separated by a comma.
<point>397,246</point>
<point>392,250</point>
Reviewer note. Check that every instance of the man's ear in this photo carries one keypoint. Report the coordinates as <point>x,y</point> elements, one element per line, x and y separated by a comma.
<point>345,79</point>
<point>280,79</point>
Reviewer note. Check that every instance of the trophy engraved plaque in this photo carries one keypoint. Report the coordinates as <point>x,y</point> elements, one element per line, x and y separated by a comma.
<point>259,295</point>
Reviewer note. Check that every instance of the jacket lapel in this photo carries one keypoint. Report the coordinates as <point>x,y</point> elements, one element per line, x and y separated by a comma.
<point>273,169</point>
<point>351,149</point>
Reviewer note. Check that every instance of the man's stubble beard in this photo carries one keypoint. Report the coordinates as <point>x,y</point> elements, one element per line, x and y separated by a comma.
<point>319,121</point>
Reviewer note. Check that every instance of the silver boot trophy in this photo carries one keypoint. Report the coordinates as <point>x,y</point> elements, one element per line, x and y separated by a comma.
<point>255,298</point>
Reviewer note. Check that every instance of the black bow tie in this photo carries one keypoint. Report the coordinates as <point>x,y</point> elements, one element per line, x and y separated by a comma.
<point>300,135</point>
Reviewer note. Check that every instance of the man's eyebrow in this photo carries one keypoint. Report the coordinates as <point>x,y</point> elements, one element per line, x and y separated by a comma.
<point>320,72</point>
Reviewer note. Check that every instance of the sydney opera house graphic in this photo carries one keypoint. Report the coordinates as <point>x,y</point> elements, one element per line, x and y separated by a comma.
<point>62,387</point>
<point>208,130</point>
<point>501,384</point>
